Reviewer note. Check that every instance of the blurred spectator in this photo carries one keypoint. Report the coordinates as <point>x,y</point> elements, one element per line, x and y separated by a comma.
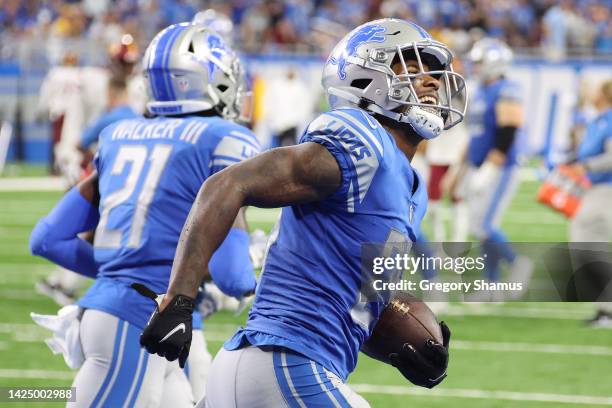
<point>118,108</point>
<point>287,107</point>
<point>61,102</point>
<point>70,96</point>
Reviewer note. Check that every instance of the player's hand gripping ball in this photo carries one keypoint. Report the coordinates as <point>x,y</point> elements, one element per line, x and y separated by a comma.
<point>168,332</point>
<point>409,337</point>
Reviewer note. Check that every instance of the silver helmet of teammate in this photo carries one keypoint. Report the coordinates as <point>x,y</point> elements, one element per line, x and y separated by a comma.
<point>490,58</point>
<point>218,22</point>
<point>189,68</point>
<point>359,73</point>
<point>222,25</point>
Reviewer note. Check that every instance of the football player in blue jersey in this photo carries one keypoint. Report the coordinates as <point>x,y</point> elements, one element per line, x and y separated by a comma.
<point>495,117</point>
<point>347,182</point>
<point>148,173</point>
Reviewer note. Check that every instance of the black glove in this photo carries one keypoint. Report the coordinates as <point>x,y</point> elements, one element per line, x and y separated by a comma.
<point>424,369</point>
<point>168,333</point>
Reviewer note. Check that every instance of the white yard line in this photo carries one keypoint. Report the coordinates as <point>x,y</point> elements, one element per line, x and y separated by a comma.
<point>482,394</point>
<point>41,374</point>
<point>532,348</point>
<point>32,184</point>
<point>472,309</point>
<point>19,294</point>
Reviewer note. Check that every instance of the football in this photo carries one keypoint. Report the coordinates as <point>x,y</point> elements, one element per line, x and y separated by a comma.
<point>406,319</point>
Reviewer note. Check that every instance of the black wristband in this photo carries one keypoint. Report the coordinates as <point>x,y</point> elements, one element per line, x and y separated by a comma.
<point>182,302</point>
<point>504,138</point>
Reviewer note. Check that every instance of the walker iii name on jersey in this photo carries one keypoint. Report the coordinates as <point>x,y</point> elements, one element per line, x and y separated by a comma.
<point>150,170</point>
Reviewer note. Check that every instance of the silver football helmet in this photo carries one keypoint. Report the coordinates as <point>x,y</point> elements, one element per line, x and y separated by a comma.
<point>490,58</point>
<point>189,68</point>
<point>359,73</point>
<point>222,25</point>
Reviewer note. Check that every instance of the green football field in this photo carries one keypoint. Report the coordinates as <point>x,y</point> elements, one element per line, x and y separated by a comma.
<point>512,355</point>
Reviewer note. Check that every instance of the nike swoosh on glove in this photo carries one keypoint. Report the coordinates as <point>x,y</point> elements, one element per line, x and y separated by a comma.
<point>168,333</point>
<point>426,369</point>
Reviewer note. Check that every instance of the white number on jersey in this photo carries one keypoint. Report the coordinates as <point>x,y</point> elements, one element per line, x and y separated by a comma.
<point>137,155</point>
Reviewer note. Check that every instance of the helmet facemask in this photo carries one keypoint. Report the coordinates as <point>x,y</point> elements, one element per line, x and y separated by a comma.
<point>429,115</point>
<point>242,109</point>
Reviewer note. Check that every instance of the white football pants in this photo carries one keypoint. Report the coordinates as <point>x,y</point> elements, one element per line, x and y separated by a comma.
<point>117,372</point>
<point>275,377</point>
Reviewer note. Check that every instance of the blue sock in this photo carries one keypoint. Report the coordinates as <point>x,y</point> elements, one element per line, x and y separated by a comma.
<point>490,249</point>
<point>504,247</point>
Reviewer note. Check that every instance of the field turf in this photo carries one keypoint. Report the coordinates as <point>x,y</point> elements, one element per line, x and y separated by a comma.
<point>511,355</point>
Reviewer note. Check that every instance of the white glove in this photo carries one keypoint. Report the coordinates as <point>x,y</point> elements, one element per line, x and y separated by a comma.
<point>66,338</point>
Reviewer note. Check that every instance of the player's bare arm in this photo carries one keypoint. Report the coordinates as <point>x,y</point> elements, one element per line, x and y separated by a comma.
<point>509,114</point>
<point>89,188</point>
<point>280,177</point>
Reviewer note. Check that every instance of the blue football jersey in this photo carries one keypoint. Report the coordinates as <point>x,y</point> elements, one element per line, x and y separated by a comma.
<point>482,120</point>
<point>307,299</point>
<point>150,171</point>
<point>598,133</point>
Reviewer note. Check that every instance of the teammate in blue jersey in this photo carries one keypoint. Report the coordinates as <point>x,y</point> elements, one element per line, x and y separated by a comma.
<point>148,173</point>
<point>347,182</point>
<point>495,117</point>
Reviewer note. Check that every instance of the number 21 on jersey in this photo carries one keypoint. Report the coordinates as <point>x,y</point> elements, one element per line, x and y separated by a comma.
<point>137,155</point>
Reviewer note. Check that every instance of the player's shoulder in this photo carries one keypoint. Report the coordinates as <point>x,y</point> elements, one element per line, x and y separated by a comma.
<point>509,89</point>
<point>230,136</point>
<point>230,143</point>
<point>352,128</point>
<point>602,124</point>
<point>221,128</point>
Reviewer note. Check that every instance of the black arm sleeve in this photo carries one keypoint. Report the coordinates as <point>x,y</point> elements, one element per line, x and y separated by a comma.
<point>504,138</point>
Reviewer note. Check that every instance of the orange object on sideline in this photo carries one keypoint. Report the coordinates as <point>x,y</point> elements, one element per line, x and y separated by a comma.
<point>563,190</point>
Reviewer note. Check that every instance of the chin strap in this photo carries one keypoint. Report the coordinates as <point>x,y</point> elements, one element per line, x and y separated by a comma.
<point>426,124</point>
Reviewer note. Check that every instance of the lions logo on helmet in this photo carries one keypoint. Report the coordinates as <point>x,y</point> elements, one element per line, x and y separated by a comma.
<point>359,73</point>
<point>217,50</point>
<point>364,34</point>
